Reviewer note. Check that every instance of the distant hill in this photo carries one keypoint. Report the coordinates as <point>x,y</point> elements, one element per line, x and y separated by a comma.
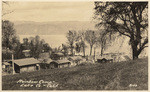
<point>50,28</point>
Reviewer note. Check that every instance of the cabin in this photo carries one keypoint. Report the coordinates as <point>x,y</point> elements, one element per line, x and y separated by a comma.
<point>75,60</point>
<point>26,65</point>
<point>45,63</point>
<point>6,66</point>
<point>104,59</point>
<point>60,63</point>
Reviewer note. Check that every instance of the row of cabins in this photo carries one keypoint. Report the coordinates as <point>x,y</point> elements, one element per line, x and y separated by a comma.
<point>58,61</point>
<point>32,64</point>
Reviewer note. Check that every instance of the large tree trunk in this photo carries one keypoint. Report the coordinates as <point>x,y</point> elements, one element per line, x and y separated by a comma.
<point>134,52</point>
<point>136,40</point>
<point>91,50</point>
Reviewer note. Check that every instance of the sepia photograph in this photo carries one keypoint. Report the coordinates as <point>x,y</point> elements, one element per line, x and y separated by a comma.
<point>74,45</point>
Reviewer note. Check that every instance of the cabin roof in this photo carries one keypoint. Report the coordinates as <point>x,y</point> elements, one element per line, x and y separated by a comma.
<point>6,63</point>
<point>26,51</point>
<point>59,54</point>
<point>26,61</point>
<point>63,61</point>
<point>49,60</point>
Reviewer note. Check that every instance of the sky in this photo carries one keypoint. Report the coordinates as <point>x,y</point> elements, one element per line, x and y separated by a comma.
<point>49,11</point>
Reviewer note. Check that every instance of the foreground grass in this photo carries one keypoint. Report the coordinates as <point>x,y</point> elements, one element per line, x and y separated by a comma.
<point>107,76</point>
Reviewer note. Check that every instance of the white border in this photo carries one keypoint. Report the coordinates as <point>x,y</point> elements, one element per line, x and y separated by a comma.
<point>76,1</point>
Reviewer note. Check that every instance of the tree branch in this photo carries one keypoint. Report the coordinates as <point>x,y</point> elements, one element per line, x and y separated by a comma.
<point>143,45</point>
<point>115,28</point>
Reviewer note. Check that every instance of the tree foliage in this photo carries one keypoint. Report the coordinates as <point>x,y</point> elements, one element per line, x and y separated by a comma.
<point>11,43</point>
<point>8,34</point>
<point>36,46</point>
<point>126,18</point>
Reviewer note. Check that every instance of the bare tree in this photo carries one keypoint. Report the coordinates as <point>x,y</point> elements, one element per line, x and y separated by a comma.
<point>81,42</point>
<point>102,42</point>
<point>90,37</point>
<point>64,49</point>
<point>126,18</point>
<point>71,37</point>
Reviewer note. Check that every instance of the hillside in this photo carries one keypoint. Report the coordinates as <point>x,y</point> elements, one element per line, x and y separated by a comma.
<point>130,75</point>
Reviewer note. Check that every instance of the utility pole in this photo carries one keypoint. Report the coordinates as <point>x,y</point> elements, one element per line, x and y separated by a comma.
<point>13,63</point>
<point>94,53</point>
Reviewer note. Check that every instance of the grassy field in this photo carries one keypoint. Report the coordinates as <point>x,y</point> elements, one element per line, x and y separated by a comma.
<point>129,75</point>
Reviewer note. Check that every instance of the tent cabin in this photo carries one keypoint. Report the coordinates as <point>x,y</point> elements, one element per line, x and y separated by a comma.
<point>60,64</point>
<point>26,65</point>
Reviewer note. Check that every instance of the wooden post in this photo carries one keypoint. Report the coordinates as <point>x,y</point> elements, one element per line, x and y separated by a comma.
<point>13,63</point>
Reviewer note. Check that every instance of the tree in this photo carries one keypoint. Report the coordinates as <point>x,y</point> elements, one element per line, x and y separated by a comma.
<point>8,34</point>
<point>25,44</point>
<point>91,38</point>
<point>35,46</point>
<point>80,42</point>
<point>46,47</point>
<point>10,41</point>
<point>78,47</point>
<point>126,18</point>
<point>71,37</point>
<point>64,49</point>
<point>103,40</point>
